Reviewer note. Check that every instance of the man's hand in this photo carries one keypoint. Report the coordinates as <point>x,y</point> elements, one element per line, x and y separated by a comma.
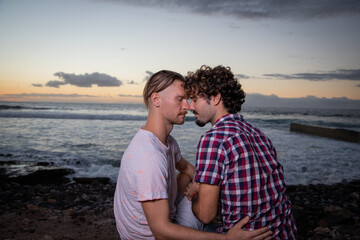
<point>191,189</point>
<point>236,232</point>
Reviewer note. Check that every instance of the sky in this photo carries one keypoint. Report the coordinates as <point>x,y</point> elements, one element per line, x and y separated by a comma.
<point>105,50</point>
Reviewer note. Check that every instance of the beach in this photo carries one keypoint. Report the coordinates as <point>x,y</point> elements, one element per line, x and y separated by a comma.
<point>56,208</point>
<point>59,164</point>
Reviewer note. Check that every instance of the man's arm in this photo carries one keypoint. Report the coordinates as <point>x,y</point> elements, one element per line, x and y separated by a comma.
<point>157,215</point>
<point>185,167</point>
<point>205,202</point>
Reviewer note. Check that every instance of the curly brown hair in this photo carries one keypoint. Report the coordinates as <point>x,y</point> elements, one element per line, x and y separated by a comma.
<point>207,82</point>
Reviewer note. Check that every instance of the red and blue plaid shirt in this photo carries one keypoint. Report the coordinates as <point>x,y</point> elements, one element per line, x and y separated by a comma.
<point>241,160</point>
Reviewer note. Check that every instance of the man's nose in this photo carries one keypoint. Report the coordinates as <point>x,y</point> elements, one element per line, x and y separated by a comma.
<point>191,105</point>
<point>186,104</point>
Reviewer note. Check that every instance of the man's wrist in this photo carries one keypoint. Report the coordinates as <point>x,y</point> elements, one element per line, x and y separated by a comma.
<point>194,197</point>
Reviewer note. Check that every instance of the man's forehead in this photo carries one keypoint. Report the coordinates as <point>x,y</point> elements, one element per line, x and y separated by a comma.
<point>195,95</point>
<point>181,83</point>
<point>178,83</point>
<point>177,87</point>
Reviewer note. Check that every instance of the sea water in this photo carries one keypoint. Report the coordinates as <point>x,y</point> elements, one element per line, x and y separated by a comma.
<point>91,138</point>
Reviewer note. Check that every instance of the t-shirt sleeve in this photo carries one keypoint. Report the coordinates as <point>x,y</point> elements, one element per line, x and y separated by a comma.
<point>209,161</point>
<point>150,178</point>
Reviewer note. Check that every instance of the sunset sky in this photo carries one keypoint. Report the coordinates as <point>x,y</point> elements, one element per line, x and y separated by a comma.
<point>104,50</point>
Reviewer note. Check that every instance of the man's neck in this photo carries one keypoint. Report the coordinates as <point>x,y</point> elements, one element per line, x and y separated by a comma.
<point>219,114</point>
<point>158,127</point>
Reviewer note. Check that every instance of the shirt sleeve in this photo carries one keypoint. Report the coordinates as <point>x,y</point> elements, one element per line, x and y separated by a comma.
<point>209,161</point>
<point>150,178</point>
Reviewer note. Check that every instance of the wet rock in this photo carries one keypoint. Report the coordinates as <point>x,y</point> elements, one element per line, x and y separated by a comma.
<point>326,211</point>
<point>44,176</point>
<point>45,164</point>
<point>321,233</point>
<point>336,215</point>
<point>85,180</point>
<point>47,237</point>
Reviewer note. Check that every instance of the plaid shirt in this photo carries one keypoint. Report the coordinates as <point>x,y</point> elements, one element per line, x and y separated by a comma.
<point>243,162</point>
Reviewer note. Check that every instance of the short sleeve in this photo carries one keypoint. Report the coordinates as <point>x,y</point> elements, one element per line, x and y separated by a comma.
<point>150,178</point>
<point>209,161</point>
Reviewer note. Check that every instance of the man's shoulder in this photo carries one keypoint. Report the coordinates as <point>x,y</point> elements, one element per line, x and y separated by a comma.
<point>229,127</point>
<point>145,141</point>
<point>225,127</point>
<point>235,123</point>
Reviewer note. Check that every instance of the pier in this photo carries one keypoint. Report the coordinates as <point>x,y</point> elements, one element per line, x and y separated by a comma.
<point>335,133</point>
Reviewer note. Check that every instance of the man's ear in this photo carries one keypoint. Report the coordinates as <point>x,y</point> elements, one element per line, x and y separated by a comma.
<point>155,99</point>
<point>216,99</point>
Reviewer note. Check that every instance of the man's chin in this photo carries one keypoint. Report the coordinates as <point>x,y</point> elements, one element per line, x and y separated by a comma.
<point>179,122</point>
<point>200,123</point>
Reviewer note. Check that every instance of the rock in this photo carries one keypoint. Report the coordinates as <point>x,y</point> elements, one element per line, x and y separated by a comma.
<point>326,211</point>
<point>85,180</point>
<point>43,164</point>
<point>336,215</point>
<point>44,176</point>
<point>47,237</point>
<point>321,233</point>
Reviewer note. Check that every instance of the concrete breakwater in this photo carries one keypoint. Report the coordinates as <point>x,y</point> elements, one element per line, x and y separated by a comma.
<point>336,133</point>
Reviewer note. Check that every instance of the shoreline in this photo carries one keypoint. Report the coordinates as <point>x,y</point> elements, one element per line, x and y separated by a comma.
<point>83,209</point>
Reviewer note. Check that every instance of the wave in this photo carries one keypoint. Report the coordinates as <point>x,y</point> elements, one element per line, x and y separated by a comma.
<point>8,107</point>
<point>79,116</point>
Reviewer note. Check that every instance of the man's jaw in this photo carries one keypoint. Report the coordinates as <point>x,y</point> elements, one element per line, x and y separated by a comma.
<point>198,122</point>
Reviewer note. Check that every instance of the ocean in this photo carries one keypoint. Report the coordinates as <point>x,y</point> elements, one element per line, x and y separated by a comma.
<point>91,138</point>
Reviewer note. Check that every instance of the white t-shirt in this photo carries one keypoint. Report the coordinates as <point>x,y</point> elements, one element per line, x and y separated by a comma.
<point>147,172</point>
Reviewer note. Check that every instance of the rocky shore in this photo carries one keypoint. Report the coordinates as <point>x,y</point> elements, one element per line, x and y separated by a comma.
<point>47,206</point>
<point>327,211</point>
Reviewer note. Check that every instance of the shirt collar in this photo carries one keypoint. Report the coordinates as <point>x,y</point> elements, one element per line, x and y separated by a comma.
<point>228,117</point>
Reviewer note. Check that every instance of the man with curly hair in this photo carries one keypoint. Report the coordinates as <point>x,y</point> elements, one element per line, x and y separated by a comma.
<point>237,168</point>
<point>146,202</point>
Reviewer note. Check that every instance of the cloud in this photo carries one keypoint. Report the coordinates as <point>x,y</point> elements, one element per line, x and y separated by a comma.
<point>130,95</point>
<point>55,83</point>
<point>148,75</point>
<point>84,80</point>
<point>241,76</point>
<point>132,82</point>
<point>25,95</point>
<point>341,74</point>
<point>358,85</point>
<point>36,85</point>
<point>259,9</point>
